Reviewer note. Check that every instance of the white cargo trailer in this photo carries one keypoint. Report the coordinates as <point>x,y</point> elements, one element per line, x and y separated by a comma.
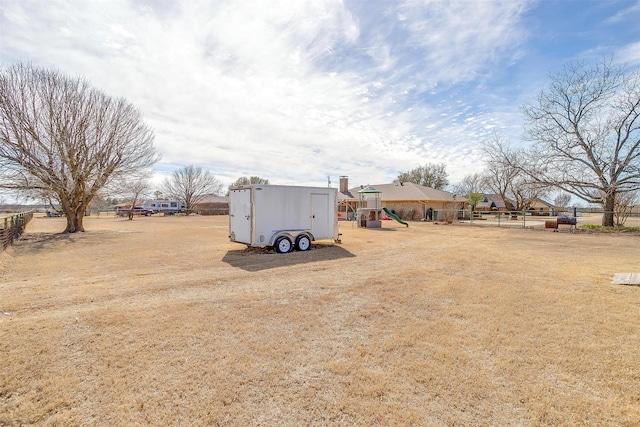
<point>282,216</point>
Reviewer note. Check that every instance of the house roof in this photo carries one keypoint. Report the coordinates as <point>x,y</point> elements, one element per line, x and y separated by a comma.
<point>489,201</point>
<point>212,198</point>
<point>543,202</point>
<point>346,196</point>
<point>124,205</point>
<point>408,191</point>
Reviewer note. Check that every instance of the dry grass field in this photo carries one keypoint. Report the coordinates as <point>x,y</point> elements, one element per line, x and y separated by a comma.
<point>162,321</point>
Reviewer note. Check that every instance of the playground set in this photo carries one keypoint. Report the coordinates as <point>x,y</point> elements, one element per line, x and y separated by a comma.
<point>370,211</point>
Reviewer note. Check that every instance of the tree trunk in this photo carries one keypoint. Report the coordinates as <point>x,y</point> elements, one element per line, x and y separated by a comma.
<point>607,215</point>
<point>74,221</point>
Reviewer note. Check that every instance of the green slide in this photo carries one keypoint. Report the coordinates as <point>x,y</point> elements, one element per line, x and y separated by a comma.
<point>394,216</point>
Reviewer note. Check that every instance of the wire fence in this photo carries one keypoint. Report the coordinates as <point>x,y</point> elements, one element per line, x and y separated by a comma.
<point>12,227</point>
<point>526,219</point>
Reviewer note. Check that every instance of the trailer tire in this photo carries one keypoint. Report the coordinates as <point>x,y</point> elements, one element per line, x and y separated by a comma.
<point>283,245</point>
<point>303,242</point>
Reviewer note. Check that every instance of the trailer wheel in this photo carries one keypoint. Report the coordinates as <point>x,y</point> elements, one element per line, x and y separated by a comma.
<point>303,242</point>
<point>283,245</point>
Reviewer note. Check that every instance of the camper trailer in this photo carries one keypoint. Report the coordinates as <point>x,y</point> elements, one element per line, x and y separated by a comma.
<point>167,207</point>
<point>282,217</point>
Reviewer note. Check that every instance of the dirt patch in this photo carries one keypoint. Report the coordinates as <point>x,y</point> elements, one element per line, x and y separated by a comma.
<point>162,320</point>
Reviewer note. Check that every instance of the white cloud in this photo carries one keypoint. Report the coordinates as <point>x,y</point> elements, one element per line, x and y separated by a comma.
<point>458,39</point>
<point>291,91</point>
<point>629,54</point>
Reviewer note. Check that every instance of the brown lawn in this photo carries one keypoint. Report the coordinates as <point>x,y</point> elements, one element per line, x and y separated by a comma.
<point>162,321</point>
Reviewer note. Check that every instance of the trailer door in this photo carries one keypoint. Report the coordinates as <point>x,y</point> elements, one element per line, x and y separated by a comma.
<point>240,222</point>
<point>320,221</point>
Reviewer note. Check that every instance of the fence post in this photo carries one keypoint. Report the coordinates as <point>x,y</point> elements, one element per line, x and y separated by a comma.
<point>5,230</point>
<point>13,228</point>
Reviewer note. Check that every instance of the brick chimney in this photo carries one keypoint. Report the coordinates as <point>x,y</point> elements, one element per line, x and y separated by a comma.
<point>344,184</point>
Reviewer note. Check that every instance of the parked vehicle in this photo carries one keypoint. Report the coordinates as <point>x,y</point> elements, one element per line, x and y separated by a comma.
<point>167,207</point>
<point>284,217</point>
<point>137,210</point>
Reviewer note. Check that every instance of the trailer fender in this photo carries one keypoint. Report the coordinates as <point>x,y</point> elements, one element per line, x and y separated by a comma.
<point>277,235</point>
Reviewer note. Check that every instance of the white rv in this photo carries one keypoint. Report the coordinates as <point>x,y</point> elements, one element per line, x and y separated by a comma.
<point>282,216</point>
<point>167,207</point>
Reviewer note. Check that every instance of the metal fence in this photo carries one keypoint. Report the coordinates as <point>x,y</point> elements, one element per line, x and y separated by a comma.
<point>527,219</point>
<point>12,227</point>
<point>522,219</point>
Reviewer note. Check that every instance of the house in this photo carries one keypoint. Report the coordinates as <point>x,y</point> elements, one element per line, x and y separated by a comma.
<point>494,203</point>
<point>541,207</point>
<point>213,205</point>
<point>408,200</point>
<point>347,203</point>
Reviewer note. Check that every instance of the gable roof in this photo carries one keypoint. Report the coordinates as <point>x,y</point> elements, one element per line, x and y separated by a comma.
<point>489,201</point>
<point>408,191</point>
<point>212,198</point>
<point>543,202</point>
<point>346,196</point>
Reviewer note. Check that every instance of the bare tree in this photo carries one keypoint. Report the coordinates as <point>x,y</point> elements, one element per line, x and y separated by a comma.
<point>132,188</point>
<point>505,175</point>
<point>472,186</point>
<point>586,130</point>
<point>623,206</point>
<point>561,202</point>
<point>474,183</point>
<point>190,185</point>
<point>62,139</point>
<point>450,212</point>
<point>430,175</point>
<point>244,180</point>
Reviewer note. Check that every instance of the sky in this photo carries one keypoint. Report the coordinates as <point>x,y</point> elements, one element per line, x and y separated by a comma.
<point>303,92</point>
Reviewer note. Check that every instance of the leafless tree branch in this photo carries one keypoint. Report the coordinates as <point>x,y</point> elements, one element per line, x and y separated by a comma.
<point>190,185</point>
<point>62,138</point>
<point>586,131</point>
